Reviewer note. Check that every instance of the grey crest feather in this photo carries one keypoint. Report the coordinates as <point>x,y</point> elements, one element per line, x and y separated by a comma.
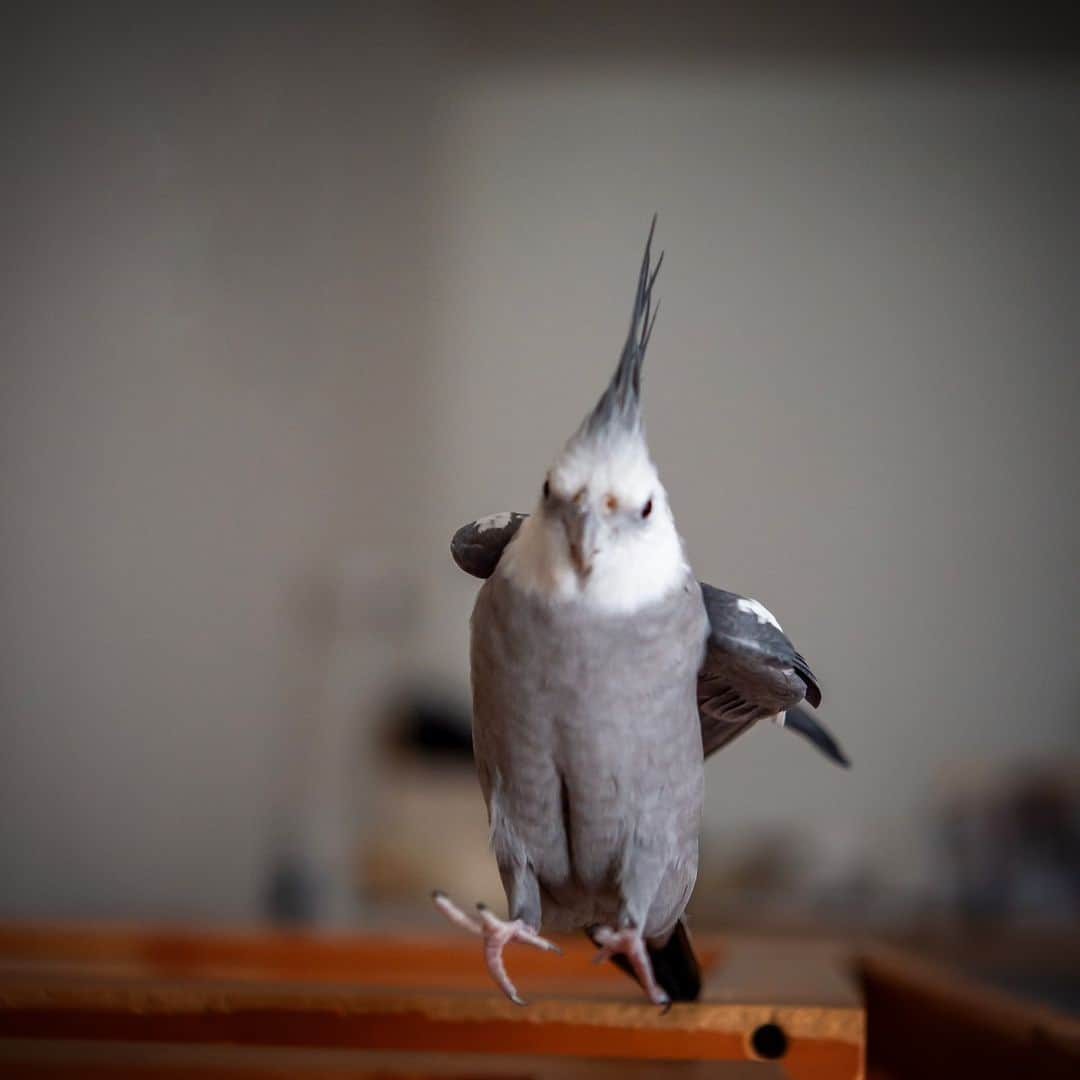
<point>619,407</point>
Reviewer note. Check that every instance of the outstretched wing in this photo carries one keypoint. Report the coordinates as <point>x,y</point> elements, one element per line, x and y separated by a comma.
<point>478,546</point>
<point>752,672</point>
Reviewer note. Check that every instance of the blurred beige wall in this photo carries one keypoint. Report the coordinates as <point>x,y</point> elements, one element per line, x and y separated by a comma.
<point>280,291</point>
<point>215,302</point>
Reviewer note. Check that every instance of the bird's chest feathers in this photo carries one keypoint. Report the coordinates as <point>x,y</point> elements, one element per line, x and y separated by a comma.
<point>627,579</point>
<point>540,658</point>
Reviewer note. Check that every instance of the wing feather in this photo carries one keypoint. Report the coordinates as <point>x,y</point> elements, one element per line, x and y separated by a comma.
<point>478,546</point>
<point>751,672</point>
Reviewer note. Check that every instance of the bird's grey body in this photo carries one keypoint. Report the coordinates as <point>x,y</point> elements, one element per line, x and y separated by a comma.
<point>603,675</point>
<point>588,747</point>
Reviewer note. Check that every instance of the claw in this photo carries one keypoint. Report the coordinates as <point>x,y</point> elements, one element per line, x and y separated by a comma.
<point>454,913</point>
<point>523,932</point>
<point>497,934</point>
<point>629,943</point>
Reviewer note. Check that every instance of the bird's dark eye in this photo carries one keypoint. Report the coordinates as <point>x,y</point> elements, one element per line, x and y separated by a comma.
<point>646,510</point>
<point>547,489</point>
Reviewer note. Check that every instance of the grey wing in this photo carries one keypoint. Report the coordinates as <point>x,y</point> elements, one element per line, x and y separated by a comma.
<point>478,546</point>
<point>752,671</point>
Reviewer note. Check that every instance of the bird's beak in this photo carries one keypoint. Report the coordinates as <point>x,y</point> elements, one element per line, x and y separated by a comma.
<point>582,535</point>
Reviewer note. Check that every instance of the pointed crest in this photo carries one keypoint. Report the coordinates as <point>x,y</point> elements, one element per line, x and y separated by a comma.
<point>619,407</point>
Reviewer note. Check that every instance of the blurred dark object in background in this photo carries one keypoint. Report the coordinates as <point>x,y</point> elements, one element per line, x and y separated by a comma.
<point>294,892</point>
<point>430,826</point>
<point>434,726</point>
<point>1011,838</point>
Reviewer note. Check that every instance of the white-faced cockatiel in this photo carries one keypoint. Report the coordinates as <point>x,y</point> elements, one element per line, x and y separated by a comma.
<point>603,675</point>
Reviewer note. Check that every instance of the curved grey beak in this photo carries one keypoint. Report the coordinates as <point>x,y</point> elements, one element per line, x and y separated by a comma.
<point>582,535</point>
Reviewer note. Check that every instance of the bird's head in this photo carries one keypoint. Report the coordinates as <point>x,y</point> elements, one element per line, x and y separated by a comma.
<point>603,527</point>
<point>604,500</point>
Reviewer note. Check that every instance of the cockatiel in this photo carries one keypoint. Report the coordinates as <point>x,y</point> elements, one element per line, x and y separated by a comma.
<point>603,675</point>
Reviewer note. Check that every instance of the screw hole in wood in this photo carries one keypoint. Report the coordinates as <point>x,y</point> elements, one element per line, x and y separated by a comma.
<point>769,1041</point>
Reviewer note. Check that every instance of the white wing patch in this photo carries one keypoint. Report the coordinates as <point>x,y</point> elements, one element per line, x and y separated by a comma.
<point>495,521</point>
<point>754,607</point>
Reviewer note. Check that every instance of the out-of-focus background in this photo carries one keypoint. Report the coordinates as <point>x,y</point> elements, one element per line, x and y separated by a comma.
<point>290,293</point>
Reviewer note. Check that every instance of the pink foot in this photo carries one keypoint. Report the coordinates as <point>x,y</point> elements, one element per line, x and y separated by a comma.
<point>497,934</point>
<point>629,943</point>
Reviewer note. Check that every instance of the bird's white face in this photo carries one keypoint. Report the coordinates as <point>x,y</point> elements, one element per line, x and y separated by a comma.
<point>602,533</point>
<point>602,498</point>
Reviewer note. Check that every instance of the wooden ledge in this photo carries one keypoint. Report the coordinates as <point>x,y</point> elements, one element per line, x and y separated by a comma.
<point>387,993</point>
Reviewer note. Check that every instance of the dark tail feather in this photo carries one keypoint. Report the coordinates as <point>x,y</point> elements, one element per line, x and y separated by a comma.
<point>809,728</point>
<point>674,965</point>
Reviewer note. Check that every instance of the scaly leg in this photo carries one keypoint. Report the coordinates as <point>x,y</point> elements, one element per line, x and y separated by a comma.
<point>497,934</point>
<point>628,942</point>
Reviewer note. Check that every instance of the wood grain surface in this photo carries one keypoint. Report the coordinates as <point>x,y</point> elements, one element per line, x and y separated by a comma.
<point>398,995</point>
